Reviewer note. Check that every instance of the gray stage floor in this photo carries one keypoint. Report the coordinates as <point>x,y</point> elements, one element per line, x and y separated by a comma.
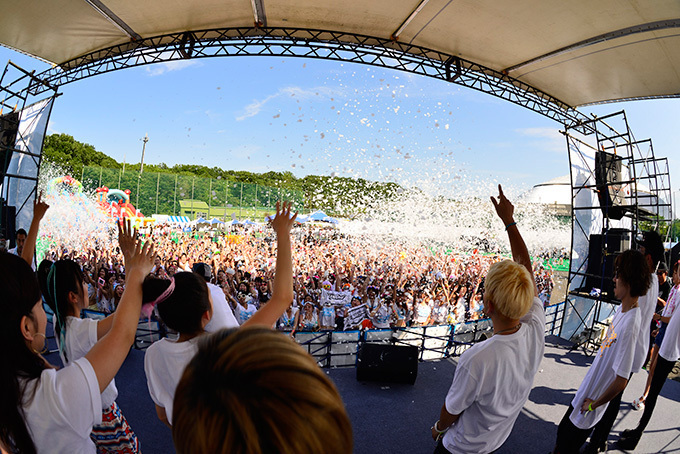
<point>397,418</point>
<point>389,418</point>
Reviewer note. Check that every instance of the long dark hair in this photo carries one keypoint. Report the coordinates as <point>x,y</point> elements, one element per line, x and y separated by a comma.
<point>57,280</point>
<point>183,308</point>
<point>20,293</point>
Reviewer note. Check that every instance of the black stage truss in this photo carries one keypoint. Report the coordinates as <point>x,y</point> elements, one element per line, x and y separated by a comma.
<point>319,44</point>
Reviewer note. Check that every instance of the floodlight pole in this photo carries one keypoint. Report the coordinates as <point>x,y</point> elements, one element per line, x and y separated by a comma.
<point>141,169</point>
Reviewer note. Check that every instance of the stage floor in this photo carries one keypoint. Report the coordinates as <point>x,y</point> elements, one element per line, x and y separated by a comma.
<point>390,418</point>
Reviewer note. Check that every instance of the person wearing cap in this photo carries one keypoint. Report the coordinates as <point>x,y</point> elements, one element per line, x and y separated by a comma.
<point>651,247</point>
<point>222,315</point>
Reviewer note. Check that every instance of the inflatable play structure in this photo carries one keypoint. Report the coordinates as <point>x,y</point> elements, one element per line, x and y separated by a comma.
<point>116,204</point>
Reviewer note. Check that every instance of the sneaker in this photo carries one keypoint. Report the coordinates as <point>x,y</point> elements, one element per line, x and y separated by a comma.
<point>630,433</point>
<point>591,448</point>
<point>638,404</point>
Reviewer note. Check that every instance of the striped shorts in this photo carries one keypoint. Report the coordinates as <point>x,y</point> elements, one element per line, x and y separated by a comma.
<point>114,434</point>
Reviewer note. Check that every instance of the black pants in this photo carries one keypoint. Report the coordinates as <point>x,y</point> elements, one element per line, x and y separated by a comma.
<point>661,371</point>
<point>569,437</point>
<point>604,425</point>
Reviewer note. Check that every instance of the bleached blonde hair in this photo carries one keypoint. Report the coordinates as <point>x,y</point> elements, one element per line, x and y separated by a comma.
<point>509,287</point>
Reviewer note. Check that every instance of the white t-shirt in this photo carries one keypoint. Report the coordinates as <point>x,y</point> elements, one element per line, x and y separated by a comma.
<point>672,302</point>
<point>615,358</point>
<point>81,335</point>
<point>164,364</point>
<point>491,384</point>
<point>670,346</point>
<point>244,313</point>
<point>222,316</point>
<point>381,317</point>
<point>64,408</point>
<point>647,304</point>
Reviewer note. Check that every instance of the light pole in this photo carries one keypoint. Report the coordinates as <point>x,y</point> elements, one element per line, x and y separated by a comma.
<point>141,168</point>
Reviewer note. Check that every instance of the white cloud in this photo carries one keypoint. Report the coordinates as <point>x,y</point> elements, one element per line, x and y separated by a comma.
<point>165,67</point>
<point>551,138</point>
<point>319,93</point>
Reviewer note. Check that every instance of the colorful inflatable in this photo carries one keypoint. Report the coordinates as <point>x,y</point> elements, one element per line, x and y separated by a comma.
<point>116,204</point>
<point>65,184</point>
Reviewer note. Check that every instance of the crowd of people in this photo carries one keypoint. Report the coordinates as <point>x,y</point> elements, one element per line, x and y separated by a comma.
<point>340,282</point>
<point>223,297</point>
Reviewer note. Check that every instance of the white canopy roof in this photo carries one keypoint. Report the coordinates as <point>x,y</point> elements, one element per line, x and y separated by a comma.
<point>578,51</point>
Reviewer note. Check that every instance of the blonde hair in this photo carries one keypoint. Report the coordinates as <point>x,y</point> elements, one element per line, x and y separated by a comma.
<point>253,390</point>
<point>509,287</point>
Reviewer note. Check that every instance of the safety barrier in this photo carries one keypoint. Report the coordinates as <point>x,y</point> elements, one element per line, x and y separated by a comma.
<point>339,348</point>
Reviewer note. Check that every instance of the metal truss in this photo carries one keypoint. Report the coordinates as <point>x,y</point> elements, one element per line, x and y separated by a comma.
<point>327,45</point>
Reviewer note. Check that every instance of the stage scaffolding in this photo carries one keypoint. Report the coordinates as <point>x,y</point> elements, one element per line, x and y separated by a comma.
<point>23,122</point>
<point>619,189</point>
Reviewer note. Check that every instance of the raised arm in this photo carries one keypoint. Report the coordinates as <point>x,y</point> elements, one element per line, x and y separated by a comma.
<point>282,295</point>
<point>39,209</point>
<point>520,253</point>
<point>108,354</point>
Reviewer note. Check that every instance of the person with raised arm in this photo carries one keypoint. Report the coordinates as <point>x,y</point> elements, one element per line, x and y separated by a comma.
<point>44,409</point>
<point>185,305</point>
<point>28,250</point>
<point>494,377</point>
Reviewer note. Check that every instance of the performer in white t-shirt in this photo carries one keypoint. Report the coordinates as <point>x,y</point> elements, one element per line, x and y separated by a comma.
<point>222,313</point>
<point>47,410</point>
<point>185,305</point>
<point>613,364</point>
<point>494,377</point>
<point>669,353</point>
<point>652,249</point>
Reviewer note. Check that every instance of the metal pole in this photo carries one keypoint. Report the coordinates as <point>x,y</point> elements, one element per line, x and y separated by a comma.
<point>141,167</point>
<point>209,196</point>
<point>100,176</point>
<point>174,202</point>
<point>240,203</point>
<point>158,182</point>
<point>193,179</point>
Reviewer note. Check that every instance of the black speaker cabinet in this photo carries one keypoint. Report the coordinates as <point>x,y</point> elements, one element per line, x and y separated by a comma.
<point>602,252</point>
<point>387,363</point>
<point>610,192</point>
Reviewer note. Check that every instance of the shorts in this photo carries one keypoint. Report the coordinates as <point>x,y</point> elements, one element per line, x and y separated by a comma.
<point>659,336</point>
<point>114,434</point>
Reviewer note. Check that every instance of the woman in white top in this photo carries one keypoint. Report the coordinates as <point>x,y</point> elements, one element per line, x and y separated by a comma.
<point>664,318</point>
<point>185,305</point>
<point>48,410</point>
<point>63,286</point>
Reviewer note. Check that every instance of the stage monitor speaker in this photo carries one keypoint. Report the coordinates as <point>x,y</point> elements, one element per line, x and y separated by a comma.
<point>9,125</point>
<point>608,180</point>
<point>8,216</point>
<point>602,252</point>
<point>387,363</point>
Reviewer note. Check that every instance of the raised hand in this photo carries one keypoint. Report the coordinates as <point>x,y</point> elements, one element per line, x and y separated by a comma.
<point>126,239</point>
<point>504,208</point>
<point>39,207</point>
<point>141,258</point>
<point>283,222</point>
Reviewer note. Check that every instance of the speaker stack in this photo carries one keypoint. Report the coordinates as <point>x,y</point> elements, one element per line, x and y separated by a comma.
<point>387,363</point>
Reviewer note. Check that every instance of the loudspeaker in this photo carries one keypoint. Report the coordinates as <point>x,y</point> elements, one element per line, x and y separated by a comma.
<point>602,252</point>
<point>608,180</point>
<point>8,219</point>
<point>387,363</point>
<point>9,125</point>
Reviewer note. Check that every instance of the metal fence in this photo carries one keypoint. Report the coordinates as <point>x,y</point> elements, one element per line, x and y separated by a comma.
<point>161,193</point>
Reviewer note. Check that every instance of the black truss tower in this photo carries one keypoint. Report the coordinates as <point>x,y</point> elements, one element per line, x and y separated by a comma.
<point>619,189</point>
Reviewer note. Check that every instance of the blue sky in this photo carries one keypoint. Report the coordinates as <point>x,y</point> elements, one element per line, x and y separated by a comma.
<point>322,117</point>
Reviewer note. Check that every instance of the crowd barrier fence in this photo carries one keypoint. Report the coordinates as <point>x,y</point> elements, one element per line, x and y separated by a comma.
<point>340,348</point>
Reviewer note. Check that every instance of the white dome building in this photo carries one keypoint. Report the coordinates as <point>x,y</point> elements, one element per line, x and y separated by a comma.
<point>556,193</point>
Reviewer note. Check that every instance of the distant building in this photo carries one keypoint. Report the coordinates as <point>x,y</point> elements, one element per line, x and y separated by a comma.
<point>554,194</point>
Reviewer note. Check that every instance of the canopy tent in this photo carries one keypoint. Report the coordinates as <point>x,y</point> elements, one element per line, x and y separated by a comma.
<point>574,53</point>
<point>317,216</point>
<point>214,221</point>
<point>201,220</point>
<point>178,219</point>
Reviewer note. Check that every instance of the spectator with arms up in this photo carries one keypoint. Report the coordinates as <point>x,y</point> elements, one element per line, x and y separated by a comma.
<point>494,377</point>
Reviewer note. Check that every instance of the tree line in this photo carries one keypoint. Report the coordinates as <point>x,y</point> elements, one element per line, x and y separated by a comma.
<point>339,196</point>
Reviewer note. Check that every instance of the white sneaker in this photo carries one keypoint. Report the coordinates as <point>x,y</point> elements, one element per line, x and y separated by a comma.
<point>638,404</point>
